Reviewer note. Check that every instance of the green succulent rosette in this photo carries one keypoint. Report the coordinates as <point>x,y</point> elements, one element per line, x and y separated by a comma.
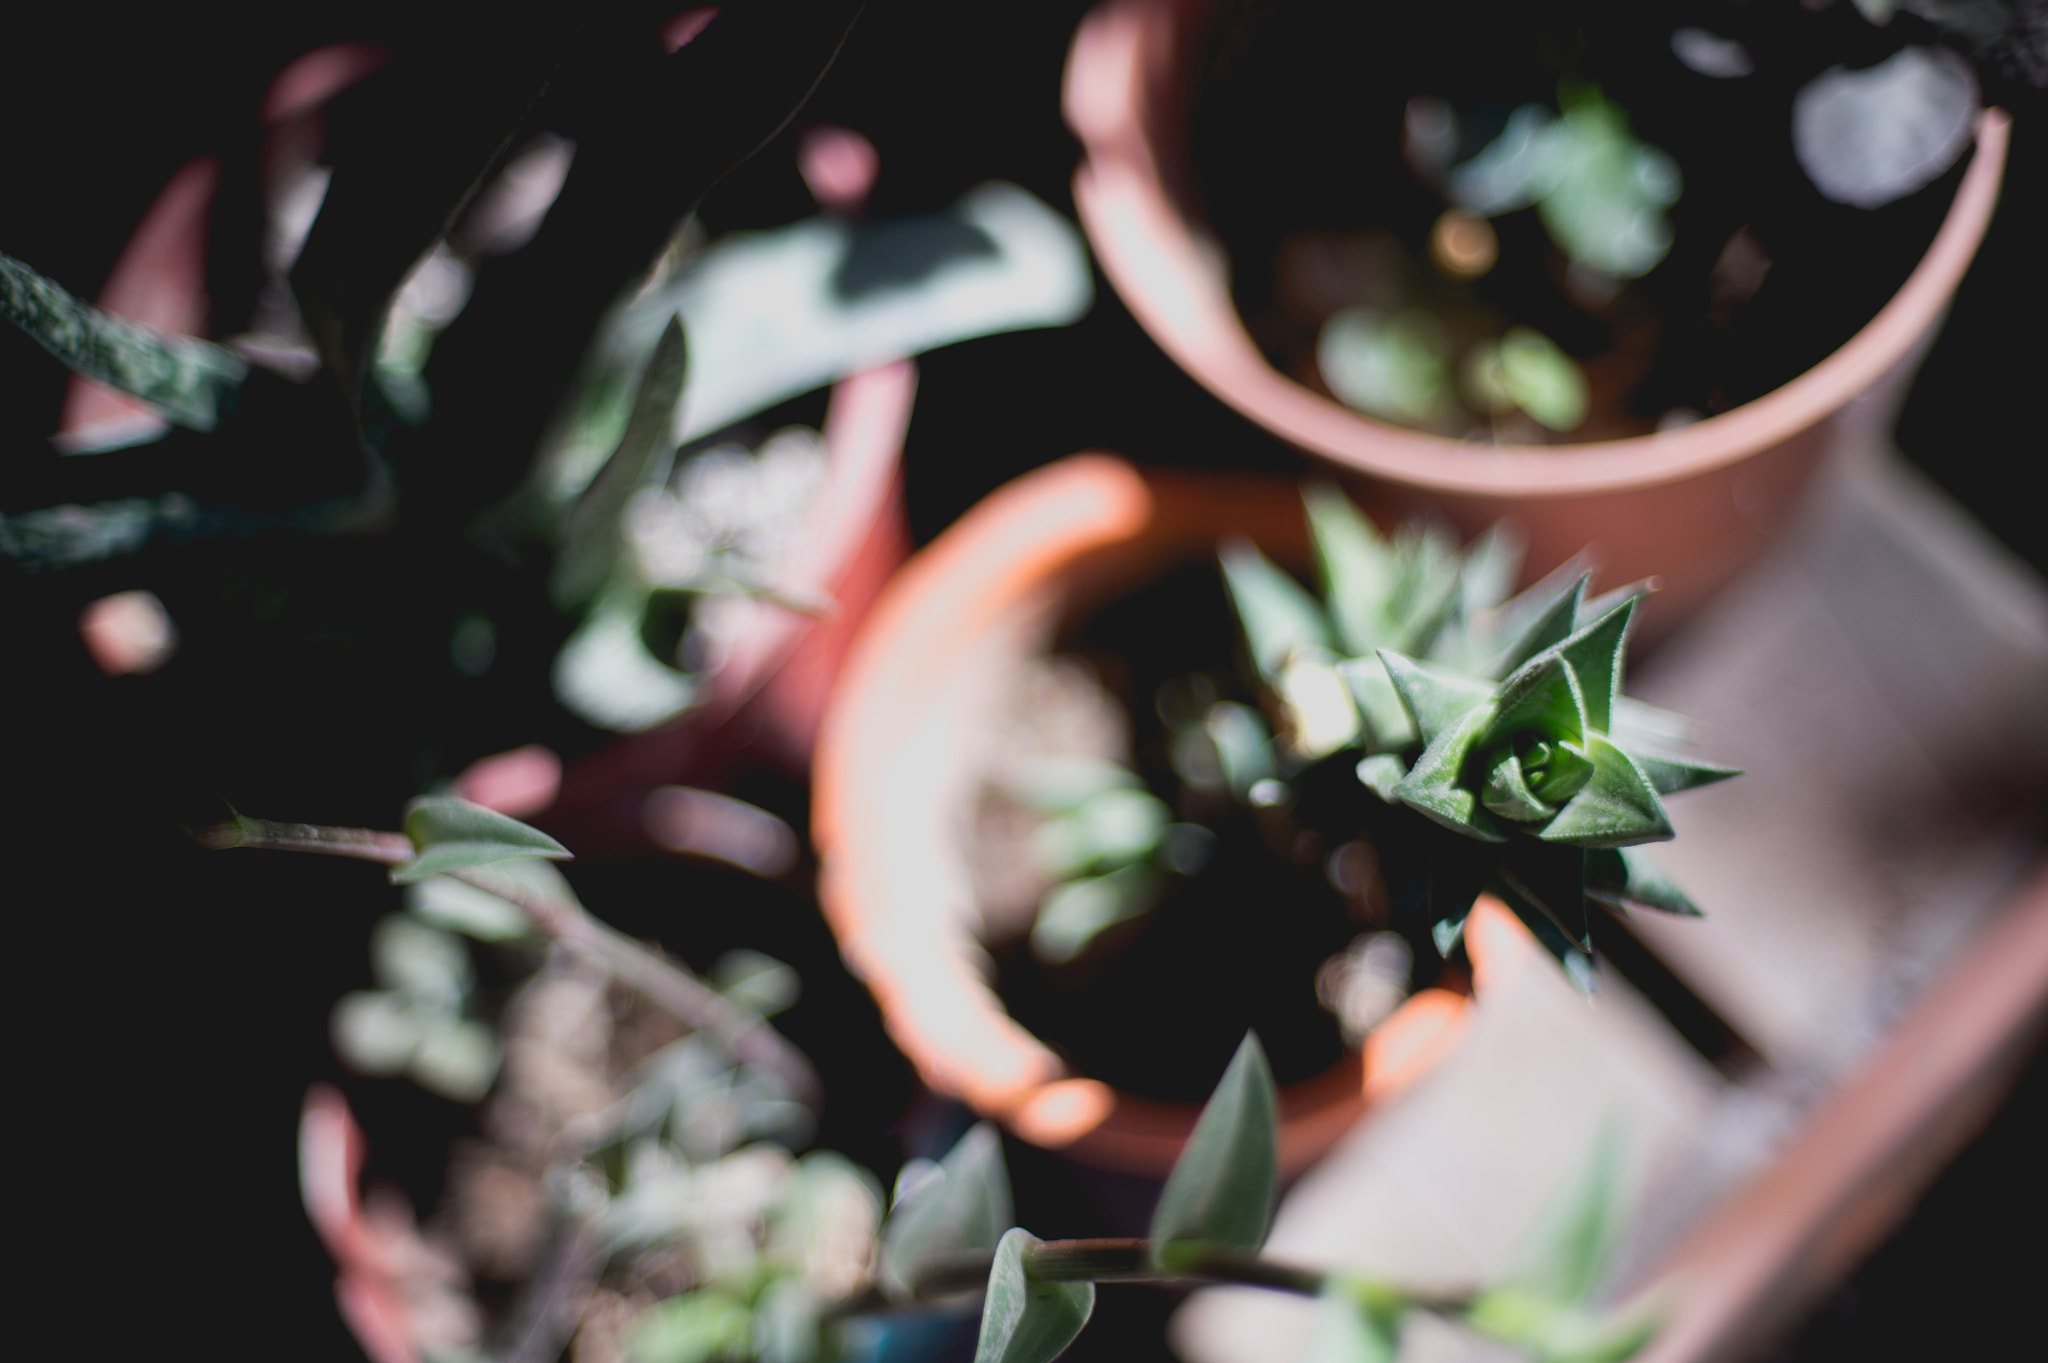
<point>1550,770</point>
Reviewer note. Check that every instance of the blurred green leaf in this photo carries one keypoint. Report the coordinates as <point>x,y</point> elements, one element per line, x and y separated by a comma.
<point>421,962</point>
<point>457,1058</point>
<point>453,834</point>
<point>376,1031</point>
<point>1355,565</point>
<point>1244,745</point>
<point>193,382</point>
<point>1222,1187</point>
<point>758,983</point>
<point>1381,773</point>
<point>1622,876</point>
<point>1024,1320</point>
<point>698,1327</point>
<point>1278,615</point>
<point>456,907</point>
<point>593,534</point>
<point>1060,783</point>
<point>1387,725</point>
<point>1571,1253</point>
<point>1357,1321</point>
<point>963,1207</point>
<point>1074,914</point>
<point>1393,367</point>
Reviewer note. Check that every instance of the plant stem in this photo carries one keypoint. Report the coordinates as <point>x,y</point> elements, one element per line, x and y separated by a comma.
<point>1124,1260</point>
<point>665,983</point>
<point>364,844</point>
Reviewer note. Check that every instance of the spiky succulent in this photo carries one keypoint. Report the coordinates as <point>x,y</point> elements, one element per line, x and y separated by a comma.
<point>1493,731</point>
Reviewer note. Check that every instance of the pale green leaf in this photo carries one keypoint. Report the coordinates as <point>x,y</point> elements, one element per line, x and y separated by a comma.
<point>1670,774</point>
<point>1388,727</point>
<point>1356,1322</point>
<point>1543,696</point>
<point>1543,380</point>
<point>456,907</point>
<point>1222,1187</point>
<point>1539,617</point>
<point>452,834</point>
<point>1074,914</point>
<point>593,534</point>
<point>1506,793</point>
<point>1024,1320</point>
<point>962,1208</point>
<point>1278,616</point>
<point>1356,567</point>
<point>1381,773</point>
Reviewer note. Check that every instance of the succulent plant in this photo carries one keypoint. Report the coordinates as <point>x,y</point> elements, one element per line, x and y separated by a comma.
<point>1498,721</point>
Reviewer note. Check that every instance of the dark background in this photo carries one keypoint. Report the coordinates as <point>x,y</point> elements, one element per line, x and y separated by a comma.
<point>171,1008</point>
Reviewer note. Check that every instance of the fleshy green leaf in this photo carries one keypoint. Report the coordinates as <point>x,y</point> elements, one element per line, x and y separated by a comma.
<point>1221,1189</point>
<point>1074,914</point>
<point>1541,616</point>
<point>1381,773</point>
<point>1491,563</point>
<point>1616,808</point>
<point>1506,793</point>
<point>593,532</point>
<point>1059,783</point>
<point>1024,1320</point>
<point>1433,785</point>
<point>1356,566</point>
<point>193,382</point>
<point>1544,696</point>
<point>1595,655</point>
<point>1278,616</point>
<point>1436,701</point>
<point>1244,746</point>
<point>964,1207</point>
<point>1622,876</point>
<point>1387,725</point>
<point>1669,775</point>
<point>453,834</point>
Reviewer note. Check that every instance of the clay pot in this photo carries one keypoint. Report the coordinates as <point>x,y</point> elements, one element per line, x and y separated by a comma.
<point>897,770</point>
<point>1690,506</point>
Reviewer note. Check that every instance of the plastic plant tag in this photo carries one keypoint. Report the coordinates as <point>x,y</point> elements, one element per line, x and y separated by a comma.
<point>1024,1320</point>
<point>1221,1189</point>
<point>452,835</point>
<point>963,1207</point>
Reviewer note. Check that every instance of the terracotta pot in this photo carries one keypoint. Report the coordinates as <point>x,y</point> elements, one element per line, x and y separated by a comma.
<point>897,768</point>
<point>1690,506</point>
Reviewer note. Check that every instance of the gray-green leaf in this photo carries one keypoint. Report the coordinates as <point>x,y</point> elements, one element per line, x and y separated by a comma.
<point>1616,808</point>
<point>193,382</point>
<point>962,1208</point>
<point>1278,615</point>
<point>1024,1320</point>
<point>453,834</point>
<point>1221,1189</point>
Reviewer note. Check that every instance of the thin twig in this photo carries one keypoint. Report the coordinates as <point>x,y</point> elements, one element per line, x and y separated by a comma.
<point>666,984</point>
<point>364,844</point>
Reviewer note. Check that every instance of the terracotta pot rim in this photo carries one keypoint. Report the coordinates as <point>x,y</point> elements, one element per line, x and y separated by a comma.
<point>1121,67</point>
<point>1014,557</point>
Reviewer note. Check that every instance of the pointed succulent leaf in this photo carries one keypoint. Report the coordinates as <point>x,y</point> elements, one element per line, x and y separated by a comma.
<point>1278,616</point>
<point>1387,725</point>
<point>1491,563</point>
<point>1669,774</point>
<point>1570,957</point>
<point>1436,701</point>
<point>1543,697</point>
<point>452,835</point>
<point>1616,808</point>
<point>1221,1189</point>
<point>1425,596</point>
<point>1593,607</point>
<point>1595,655</point>
<point>1381,773</point>
<point>1446,932</point>
<point>1540,618</point>
<point>1637,724</point>
<point>1434,785</point>
<point>1355,564</point>
<point>1621,876</point>
<point>1024,1320</point>
<point>593,534</point>
<point>962,1208</point>
<point>192,382</point>
<point>1506,793</point>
